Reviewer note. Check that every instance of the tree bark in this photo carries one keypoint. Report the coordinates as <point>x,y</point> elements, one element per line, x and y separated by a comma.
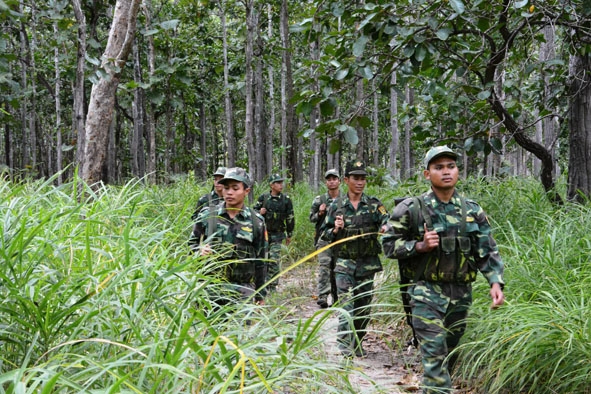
<point>150,126</point>
<point>394,131</point>
<point>579,163</point>
<point>102,96</point>
<point>251,23</point>
<point>290,120</point>
<point>230,134</point>
<point>79,115</point>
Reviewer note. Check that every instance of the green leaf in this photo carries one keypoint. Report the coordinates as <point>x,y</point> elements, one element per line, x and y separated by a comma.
<point>363,121</point>
<point>420,53</point>
<point>338,9</point>
<point>366,72</point>
<point>458,6</point>
<point>350,135</point>
<point>483,95</point>
<point>443,34</point>
<point>151,32</point>
<point>341,74</point>
<point>359,45</point>
<point>334,146</point>
<point>170,25</point>
<point>328,106</point>
<point>307,133</point>
<point>305,108</point>
<point>496,145</point>
<point>520,4</point>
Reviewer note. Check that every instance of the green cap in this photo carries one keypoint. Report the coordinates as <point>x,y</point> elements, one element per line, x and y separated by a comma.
<point>438,151</point>
<point>236,174</point>
<point>355,167</point>
<point>331,172</point>
<point>220,171</point>
<point>275,178</point>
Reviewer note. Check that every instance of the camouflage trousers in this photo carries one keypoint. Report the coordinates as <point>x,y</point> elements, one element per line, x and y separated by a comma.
<point>439,319</point>
<point>273,265</point>
<point>355,295</point>
<point>325,275</point>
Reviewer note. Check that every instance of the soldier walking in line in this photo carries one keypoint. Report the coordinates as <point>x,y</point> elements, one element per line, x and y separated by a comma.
<point>238,235</point>
<point>277,209</point>
<point>355,214</point>
<point>214,197</point>
<point>441,241</point>
<point>326,280</point>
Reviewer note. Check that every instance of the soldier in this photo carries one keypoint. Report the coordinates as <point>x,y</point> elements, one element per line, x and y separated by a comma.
<point>214,197</point>
<point>237,233</point>
<point>326,281</point>
<point>355,214</point>
<point>441,240</point>
<point>277,209</point>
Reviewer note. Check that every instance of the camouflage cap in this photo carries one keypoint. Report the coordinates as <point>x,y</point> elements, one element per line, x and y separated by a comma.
<point>220,171</point>
<point>331,172</point>
<point>438,151</point>
<point>236,174</point>
<point>355,167</point>
<point>275,178</point>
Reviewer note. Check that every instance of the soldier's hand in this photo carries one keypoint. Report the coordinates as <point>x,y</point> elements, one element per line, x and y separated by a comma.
<point>263,211</point>
<point>205,250</point>
<point>287,240</point>
<point>430,241</point>
<point>496,293</point>
<point>339,223</point>
<point>322,209</point>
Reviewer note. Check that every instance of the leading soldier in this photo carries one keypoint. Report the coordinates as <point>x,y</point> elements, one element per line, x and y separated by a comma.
<point>441,240</point>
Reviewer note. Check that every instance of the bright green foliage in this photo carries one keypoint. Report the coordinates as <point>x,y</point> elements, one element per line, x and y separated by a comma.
<point>98,291</point>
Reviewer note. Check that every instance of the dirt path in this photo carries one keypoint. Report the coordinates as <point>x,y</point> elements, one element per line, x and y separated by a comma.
<point>388,367</point>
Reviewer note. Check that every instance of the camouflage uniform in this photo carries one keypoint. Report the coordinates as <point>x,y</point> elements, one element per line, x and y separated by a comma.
<point>241,241</point>
<point>356,264</point>
<point>210,199</point>
<point>280,222</point>
<point>326,281</point>
<point>442,294</point>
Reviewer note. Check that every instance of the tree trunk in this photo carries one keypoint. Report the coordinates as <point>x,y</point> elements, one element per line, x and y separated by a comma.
<point>137,145</point>
<point>579,171</point>
<point>150,126</point>
<point>251,24</point>
<point>294,164</point>
<point>271,128</point>
<point>230,135</point>
<point>102,96</point>
<point>58,110</point>
<point>406,166</point>
<point>79,115</point>
<point>394,132</point>
<point>375,143</point>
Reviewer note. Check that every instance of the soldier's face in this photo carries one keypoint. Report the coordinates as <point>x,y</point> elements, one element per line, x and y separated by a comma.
<point>277,187</point>
<point>218,186</point>
<point>443,173</point>
<point>356,183</point>
<point>332,182</point>
<point>235,193</point>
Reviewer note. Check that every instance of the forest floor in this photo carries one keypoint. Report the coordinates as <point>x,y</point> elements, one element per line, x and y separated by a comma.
<point>389,366</point>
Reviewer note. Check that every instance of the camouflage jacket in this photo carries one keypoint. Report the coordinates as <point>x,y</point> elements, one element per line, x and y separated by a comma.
<point>279,218</point>
<point>360,255</point>
<point>206,200</point>
<point>480,253</point>
<point>314,217</point>
<point>242,240</point>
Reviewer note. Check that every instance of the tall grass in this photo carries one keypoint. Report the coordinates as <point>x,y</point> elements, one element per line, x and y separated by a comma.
<point>103,295</point>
